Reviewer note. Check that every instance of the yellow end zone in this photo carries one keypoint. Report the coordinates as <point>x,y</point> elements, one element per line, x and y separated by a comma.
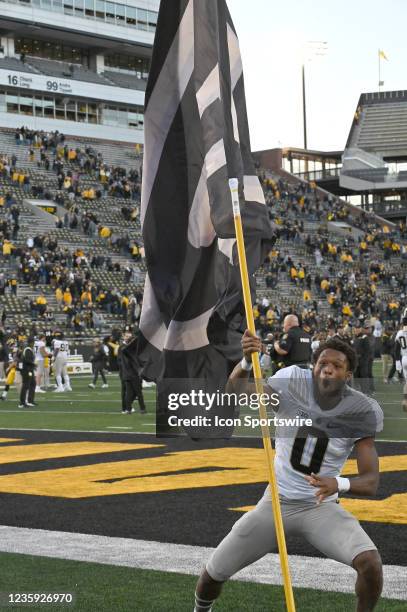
<point>168,472</point>
<point>36,452</point>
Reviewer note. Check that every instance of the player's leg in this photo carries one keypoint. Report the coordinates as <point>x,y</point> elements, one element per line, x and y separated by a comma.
<point>369,582</point>
<point>46,376</point>
<point>67,381</point>
<point>252,537</point>
<point>140,397</point>
<point>95,376</point>
<point>39,376</point>
<point>386,364</point>
<point>128,396</point>
<point>104,381</point>
<point>58,374</point>
<point>338,534</point>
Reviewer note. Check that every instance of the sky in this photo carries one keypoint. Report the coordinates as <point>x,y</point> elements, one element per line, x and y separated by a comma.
<point>273,35</point>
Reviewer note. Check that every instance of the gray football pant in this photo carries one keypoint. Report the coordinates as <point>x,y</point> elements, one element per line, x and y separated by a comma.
<point>328,527</point>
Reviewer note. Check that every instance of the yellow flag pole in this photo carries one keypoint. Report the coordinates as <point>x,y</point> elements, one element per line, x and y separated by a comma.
<point>278,520</point>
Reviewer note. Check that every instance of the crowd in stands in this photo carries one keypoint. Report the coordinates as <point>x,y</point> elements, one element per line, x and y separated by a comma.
<point>333,278</point>
<point>351,274</point>
<point>81,174</point>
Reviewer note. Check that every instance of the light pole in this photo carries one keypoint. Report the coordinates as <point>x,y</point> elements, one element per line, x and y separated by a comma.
<point>311,49</point>
<point>304,108</point>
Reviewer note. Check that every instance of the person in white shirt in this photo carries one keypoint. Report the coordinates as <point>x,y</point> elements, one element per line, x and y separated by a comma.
<point>41,357</point>
<point>308,463</point>
<point>61,354</point>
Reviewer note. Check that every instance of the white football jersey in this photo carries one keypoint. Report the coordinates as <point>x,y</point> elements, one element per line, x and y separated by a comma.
<point>401,338</point>
<point>62,346</point>
<point>38,344</point>
<point>324,450</point>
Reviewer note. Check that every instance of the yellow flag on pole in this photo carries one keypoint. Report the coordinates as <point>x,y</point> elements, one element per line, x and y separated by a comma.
<point>383,55</point>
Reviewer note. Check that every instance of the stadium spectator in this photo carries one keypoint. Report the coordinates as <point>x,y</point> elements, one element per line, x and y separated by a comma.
<point>131,383</point>
<point>99,361</point>
<point>26,358</point>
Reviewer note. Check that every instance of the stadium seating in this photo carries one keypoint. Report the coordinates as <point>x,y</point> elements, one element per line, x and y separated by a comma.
<point>299,213</point>
<point>66,70</point>
<point>383,127</point>
<point>12,63</point>
<point>125,80</point>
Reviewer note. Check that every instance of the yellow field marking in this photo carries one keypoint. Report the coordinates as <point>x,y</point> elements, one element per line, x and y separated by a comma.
<point>176,471</point>
<point>234,466</point>
<point>2,440</point>
<point>393,509</point>
<point>36,452</point>
<point>388,463</point>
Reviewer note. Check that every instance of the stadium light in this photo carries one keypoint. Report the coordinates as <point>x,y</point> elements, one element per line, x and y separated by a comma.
<point>311,50</point>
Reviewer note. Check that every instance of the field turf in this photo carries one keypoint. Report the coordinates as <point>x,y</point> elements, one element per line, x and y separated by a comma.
<point>106,588</point>
<point>100,410</point>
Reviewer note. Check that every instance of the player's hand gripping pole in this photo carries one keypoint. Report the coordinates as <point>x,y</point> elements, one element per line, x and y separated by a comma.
<point>289,597</point>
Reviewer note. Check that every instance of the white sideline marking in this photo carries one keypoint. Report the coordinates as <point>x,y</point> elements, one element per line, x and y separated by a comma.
<point>307,572</point>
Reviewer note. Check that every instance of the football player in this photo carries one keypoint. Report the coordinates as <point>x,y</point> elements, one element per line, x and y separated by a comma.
<point>308,468</point>
<point>41,355</point>
<point>401,357</point>
<point>61,353</point>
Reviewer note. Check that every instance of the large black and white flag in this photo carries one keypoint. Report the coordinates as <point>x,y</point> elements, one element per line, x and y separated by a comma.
<point>196,138</point>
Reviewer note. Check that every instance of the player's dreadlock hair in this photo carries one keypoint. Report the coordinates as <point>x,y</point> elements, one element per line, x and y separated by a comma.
<point>338,345</point>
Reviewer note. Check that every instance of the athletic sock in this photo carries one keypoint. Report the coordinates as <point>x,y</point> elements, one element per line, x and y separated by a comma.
<point>203,605</point>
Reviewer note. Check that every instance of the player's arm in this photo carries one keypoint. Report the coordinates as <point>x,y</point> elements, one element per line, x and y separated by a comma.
<point>43,352</point>
<point>239,379</point>
<point>365,483</point>
<point>250,344</point>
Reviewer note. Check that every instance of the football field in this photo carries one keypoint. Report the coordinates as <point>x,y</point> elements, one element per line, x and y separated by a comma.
<point>93,504</point>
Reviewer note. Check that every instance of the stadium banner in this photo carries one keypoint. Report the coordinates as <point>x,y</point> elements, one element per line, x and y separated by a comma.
<point>82,89</point>
<point>196,138</point>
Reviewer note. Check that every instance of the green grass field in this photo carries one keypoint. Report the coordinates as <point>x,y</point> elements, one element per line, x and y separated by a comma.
<point>106,588</point>
<point>100,410</point>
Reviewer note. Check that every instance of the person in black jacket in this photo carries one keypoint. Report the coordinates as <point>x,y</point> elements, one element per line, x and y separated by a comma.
<point>368,330</point>
<point>294,346</point>
<point>26,365</point>
<point>387,352</point>
<point>129,375</point>
<point>99,359</point>
<point>361,345</point>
